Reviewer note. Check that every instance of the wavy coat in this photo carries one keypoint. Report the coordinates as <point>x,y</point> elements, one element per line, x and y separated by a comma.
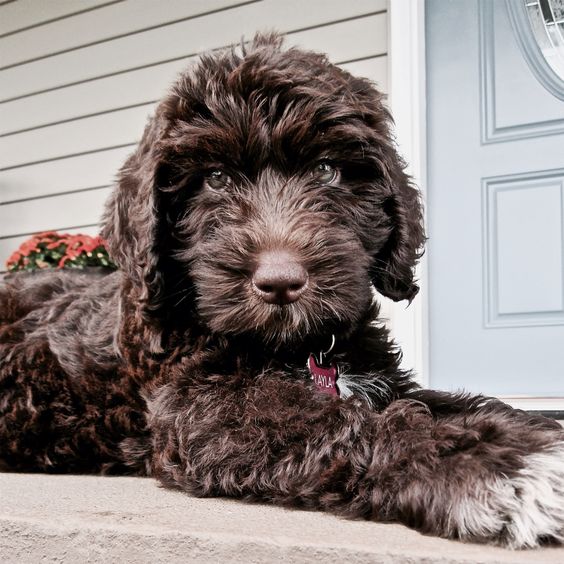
<point>175,367</point>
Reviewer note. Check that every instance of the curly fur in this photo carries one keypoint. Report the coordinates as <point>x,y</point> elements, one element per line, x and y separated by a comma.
<point>174,367</point>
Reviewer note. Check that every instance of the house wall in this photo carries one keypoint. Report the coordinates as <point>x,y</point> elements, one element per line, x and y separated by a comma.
<point>78,80</point>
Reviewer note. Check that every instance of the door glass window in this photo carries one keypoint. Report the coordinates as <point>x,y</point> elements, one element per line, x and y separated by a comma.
<point>547,23</point>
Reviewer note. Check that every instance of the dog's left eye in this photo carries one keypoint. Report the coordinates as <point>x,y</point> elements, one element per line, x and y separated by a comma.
<point>324,173</point>
<point>218,180</point>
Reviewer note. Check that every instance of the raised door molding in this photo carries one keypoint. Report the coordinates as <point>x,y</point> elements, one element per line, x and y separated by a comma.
<point>523,249</point>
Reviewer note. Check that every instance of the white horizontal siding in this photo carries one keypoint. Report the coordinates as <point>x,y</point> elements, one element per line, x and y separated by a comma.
<point>62,175</point>
<point>116,20</point>
<point>65,211</point>
<point>119,91</point>
<point>176,40</point>
<point>148,84</point>
<point>24,14</point>
<point>90,134</point>
<point>71,114</point>
<point>375,68</point>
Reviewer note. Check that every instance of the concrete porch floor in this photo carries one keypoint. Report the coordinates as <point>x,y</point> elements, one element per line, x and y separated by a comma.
<point>80,519</point>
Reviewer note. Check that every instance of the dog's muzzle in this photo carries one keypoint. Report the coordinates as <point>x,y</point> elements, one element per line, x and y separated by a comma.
<point>279,278</point>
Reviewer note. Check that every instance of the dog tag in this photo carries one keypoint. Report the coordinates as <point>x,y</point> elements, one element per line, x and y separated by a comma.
<point>324,378</point>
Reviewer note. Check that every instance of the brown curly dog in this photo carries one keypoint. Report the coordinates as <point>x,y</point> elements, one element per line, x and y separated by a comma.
<point>263,203</point>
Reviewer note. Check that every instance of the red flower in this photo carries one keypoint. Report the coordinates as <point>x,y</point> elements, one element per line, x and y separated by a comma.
<point>91,243</point>
<point>28,246</point>
<point>13,259</point>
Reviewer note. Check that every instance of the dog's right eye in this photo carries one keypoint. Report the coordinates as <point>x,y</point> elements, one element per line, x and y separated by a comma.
<point>218,180</point>
<point>324,173</point>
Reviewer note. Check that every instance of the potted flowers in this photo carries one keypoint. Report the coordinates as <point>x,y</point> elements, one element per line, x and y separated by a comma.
<point>60,250</point>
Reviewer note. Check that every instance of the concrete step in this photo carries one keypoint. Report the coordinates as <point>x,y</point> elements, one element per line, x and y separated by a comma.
<point>83,519</point>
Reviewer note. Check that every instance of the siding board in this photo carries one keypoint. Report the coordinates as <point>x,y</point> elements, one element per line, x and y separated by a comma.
<point>75,173</point>
<point>27,13</point>
<point>148,84</point>
<point>83,208</point>
<point>115,20</point>
<point>370,33</point>
<point>374,68</point>
<point>90,134</point>
<point>178,40</point>
<point>135,87</point>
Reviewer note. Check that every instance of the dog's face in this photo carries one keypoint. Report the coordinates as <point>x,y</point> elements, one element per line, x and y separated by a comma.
<point>269,196</point>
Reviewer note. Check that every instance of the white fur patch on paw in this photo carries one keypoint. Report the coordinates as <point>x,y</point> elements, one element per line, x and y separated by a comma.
<point>537,507</point>
<point>518,512</point>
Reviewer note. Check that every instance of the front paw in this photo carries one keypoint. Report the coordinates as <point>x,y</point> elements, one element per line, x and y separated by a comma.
<point>535,508</point>
<point>520,511</point>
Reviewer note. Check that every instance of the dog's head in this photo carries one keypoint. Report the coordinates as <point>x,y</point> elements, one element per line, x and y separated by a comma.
<point>265,197</point>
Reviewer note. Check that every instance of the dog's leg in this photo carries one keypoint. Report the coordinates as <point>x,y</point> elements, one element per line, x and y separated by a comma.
<point>496,474</point>
<point>490,475</point>
<point>52,422</point>
<point>67,402</point>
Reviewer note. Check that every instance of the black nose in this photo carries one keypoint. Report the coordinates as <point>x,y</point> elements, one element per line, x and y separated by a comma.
<point>279,278</point>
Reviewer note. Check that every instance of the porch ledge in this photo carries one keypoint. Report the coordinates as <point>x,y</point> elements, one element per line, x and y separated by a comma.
<point>132,520</point>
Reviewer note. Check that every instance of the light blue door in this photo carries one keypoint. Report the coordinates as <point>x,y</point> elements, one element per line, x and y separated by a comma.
<point>496,196</point>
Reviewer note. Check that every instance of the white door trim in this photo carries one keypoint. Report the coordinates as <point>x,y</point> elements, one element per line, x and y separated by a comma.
<point>407,103</point>
<point>535,403</point>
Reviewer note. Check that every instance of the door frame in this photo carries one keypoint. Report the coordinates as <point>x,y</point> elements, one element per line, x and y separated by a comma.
<point>407,100</point>
<point>407,94</point>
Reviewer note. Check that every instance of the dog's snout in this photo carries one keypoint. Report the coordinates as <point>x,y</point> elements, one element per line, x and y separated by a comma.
<point>279,278</point>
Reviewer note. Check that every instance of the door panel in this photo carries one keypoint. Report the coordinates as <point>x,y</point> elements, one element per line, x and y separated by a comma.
<point>518,98</point>
<point>495,207</point>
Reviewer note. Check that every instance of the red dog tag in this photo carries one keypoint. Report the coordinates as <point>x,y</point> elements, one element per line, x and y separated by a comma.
<point>325,379</point>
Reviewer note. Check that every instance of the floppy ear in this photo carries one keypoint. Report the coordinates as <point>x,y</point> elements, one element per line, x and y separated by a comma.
<point>130,221</point>
<point>394,265</point>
